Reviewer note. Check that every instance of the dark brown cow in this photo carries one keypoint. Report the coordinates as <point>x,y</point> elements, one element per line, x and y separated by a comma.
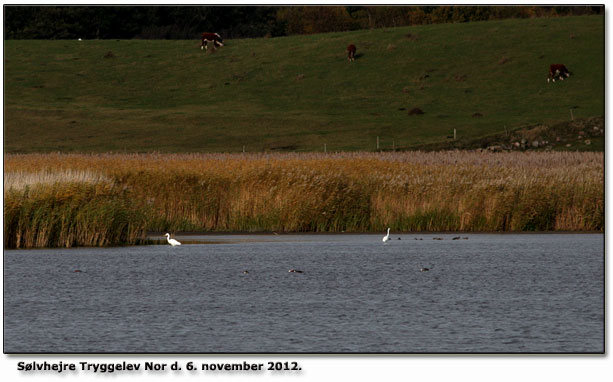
<point>351,52</point>
<point>557,70</point>
<point>213,37</point>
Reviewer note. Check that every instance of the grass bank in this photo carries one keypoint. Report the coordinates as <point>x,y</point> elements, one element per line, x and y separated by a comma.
<point>106,199</point>
<point>300,93</point>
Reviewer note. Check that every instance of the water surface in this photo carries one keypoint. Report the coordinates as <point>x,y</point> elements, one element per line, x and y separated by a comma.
<point>487,293</point>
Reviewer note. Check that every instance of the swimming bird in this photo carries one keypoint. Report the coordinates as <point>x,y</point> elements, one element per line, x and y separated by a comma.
<point>295,271</point>
<point>386,237</point>
<point>246,272</point>
<point>424,269</point>
<point>172,242</point>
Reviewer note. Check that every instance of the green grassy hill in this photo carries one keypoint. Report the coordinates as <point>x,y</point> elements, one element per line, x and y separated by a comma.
<point>299,93</point>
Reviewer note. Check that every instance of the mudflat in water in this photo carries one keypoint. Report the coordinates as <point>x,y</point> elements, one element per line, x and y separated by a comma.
<point>489,293</point>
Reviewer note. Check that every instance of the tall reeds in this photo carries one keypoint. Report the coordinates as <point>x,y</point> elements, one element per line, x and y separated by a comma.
<point>351,192</point>
<point>65,209</point>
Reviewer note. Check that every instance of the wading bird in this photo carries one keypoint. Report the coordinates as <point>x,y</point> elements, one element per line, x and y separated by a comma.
<point>172,242</point>
<point>386,237</point>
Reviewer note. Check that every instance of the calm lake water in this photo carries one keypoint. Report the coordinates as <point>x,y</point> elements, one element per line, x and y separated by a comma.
<point>488,293</point>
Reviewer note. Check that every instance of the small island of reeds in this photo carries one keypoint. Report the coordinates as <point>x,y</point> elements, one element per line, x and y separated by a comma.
<point>64,200</point>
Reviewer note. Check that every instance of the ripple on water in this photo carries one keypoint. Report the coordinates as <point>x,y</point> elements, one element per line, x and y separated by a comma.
<point>492,293</point>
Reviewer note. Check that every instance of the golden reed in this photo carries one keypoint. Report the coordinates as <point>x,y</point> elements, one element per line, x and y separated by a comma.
<point>121,196</point>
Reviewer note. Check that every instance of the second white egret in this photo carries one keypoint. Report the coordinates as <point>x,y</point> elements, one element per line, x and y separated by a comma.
<point>386,237</point>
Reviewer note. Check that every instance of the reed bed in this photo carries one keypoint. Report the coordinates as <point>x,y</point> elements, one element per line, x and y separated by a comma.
<point>19,180</point>
<point>289,192</point>
<point>65,208</point>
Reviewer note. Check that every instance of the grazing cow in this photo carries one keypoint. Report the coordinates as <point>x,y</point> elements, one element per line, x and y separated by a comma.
<point>557,70</point>
<point>213,37</point>
<point>351,52</point>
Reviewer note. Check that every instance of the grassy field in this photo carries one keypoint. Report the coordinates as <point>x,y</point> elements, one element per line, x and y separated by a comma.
<point>105,199</point>
<point>300,93</point>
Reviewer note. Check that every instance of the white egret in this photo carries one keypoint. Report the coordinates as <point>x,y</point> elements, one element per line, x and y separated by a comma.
<point>172,242</point>
<point>386,237</point>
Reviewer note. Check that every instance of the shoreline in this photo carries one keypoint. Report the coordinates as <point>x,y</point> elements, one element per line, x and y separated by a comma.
<point>264,233</point>
<point>154,239</point>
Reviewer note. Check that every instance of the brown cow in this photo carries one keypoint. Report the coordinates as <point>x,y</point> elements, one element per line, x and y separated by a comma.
<point>557,70</point>
<point>351,52</point>
<point>213,37</point>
